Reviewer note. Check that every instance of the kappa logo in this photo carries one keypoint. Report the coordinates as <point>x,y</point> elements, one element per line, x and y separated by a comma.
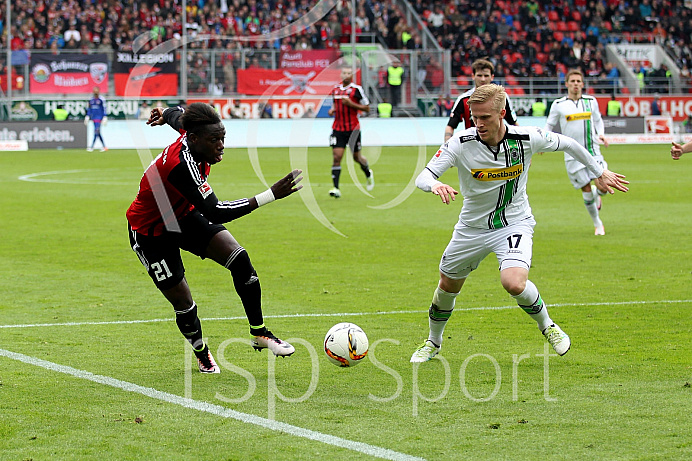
<point>205,189</point>
<point>438,153</point>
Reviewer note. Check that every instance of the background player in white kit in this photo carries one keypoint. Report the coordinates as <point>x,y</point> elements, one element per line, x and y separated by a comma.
<point>493,160</point>
<point>578,117</point>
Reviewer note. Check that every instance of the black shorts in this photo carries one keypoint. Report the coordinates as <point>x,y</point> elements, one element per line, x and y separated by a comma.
<point>343,138</point>
<point>160,255</point>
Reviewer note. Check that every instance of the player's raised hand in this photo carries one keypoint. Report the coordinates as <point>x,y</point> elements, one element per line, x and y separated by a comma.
<point>676,151</point>
<point>156,117</point>
<point>287,185</point>
<point>610,180</point>
<point>446,193</point>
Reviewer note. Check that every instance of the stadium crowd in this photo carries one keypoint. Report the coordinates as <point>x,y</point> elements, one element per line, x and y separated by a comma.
<point>526,38</point>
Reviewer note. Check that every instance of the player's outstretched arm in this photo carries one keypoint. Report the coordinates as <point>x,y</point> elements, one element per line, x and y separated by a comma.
<point>610,180</point>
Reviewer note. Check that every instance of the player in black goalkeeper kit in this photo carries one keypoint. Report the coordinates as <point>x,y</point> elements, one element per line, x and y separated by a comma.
<point>176,209</point>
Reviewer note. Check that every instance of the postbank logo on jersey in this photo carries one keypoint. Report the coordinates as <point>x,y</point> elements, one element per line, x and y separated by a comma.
<point>498,174</point>
<point>205,189</point>
<point>579,116</point>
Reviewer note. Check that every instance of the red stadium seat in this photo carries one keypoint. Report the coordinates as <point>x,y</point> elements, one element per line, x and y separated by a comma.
<point>573,26</point>
<point>553,16</point>
<point>558,36</point>
<point>608,26</point>
<point>542,57</point>
<point>463,81</point>
<point>562,26</point>
<point>576,15</point>
<point>625,90</point>
<point>537,69</point>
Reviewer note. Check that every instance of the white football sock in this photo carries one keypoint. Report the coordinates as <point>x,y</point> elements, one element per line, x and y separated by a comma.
<point>531,302</point>
<point>591,207</point>
<point>439,313</point>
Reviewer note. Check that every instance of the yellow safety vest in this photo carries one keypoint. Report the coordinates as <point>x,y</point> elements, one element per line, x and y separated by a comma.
<point>384,109</point>
<point>394,75</point>
<point>60,114</point>
<point>614,108</point>
<point>538,109</point>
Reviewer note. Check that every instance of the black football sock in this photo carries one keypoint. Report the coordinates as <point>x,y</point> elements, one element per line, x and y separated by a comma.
<point>190,326</point>
<point>366,168</point>
<point>336,172</point>
<point>247,286</point>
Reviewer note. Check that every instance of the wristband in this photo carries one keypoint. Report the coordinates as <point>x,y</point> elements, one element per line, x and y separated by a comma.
<point>265,197</point>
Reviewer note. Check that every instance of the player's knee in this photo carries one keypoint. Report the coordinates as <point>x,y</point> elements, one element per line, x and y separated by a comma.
<point>514,287</point>
<point>241,268</point>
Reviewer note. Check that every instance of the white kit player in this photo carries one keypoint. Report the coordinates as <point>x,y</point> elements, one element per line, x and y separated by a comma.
<point>578,117</point>
<point>493,161</point>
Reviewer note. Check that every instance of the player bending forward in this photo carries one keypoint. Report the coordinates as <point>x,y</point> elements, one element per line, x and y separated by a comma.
<point>176,209</point>
<point>493,160</point>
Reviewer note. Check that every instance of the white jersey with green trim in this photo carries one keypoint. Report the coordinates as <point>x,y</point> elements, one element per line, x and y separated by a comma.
<point>493,179</point>
<point>580,120</point>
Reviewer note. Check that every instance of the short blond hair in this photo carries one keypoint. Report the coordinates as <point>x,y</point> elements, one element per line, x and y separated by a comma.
<point>490,92</point>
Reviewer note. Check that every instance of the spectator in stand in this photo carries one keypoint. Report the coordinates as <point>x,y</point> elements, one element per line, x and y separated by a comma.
<point>445,105</point>
<point>655,107</point>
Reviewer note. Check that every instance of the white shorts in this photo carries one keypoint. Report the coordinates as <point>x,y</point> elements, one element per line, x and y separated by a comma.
<point>512,245</point>
<point>579,175</point>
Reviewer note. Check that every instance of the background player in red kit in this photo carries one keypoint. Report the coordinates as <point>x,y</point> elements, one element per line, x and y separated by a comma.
<point>483,73</point>
<point>349,99</point>
<point>176,209</point>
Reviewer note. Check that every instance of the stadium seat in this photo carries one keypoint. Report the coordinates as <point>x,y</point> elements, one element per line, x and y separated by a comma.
<point>573,26</point>
<point>558,36</point>
<point>608,26</point>
<point>562,26</point>
<point>576,15</point>
<point>625,90</point>
<point>553,16</point>
<point>537,69</point>
<point>542,57</point>
<point>463,81</point>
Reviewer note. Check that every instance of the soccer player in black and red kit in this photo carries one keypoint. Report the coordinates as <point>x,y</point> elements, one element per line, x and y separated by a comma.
<point>176,209</point>
<point>349,99</point>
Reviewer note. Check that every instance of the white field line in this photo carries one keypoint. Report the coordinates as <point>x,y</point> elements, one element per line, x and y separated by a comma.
<point>217,410</point>
<point>343,314</point>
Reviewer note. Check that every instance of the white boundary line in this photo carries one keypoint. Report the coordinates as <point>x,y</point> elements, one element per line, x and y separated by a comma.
<point>342,314</point>
<point>378,452</point>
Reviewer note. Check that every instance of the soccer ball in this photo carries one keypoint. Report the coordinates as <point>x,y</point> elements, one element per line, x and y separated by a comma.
<point>345,344</point>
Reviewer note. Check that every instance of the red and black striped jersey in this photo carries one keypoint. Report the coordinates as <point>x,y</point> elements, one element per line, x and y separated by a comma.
<point>173,185</point>
<point>461,111</point>
<point>345,117</point>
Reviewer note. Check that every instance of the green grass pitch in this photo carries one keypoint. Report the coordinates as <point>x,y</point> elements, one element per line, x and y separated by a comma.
<point>102,362</point>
